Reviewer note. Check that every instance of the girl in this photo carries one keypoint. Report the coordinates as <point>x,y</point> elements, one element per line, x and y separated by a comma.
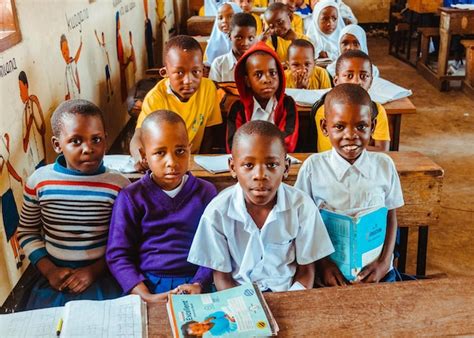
<point>325,29</point>
<point>352,37</point>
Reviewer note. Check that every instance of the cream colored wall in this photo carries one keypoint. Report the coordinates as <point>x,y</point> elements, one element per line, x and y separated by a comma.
<point>372,11</point>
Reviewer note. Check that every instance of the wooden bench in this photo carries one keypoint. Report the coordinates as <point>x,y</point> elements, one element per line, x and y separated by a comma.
<point>200,25</point>
<point>468,85</point>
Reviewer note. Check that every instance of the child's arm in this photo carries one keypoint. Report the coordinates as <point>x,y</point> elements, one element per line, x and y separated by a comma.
<point>145,294</point>
<point>55,275</point>
<point>136,151</point>
<point>305,275</point>
<point>81,278</point>
<point>329,273</point>
<point>224,280</point>
<point>375,271</point>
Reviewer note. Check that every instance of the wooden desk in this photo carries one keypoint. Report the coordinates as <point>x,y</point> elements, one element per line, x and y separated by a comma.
<point>468,85</point>
<point>438,307</point>
<point>200,25</point>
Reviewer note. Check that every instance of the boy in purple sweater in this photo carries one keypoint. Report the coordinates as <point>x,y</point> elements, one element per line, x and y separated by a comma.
<point>154,219</point>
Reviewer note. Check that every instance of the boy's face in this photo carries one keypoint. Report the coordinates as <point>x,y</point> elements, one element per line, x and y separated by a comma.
<point>224,17</point>
<point>279,22</point>
<point>354,70</point>
<point>184,69</point>
<point>246,5</point>
<point>259,163</point>
<point>349,42</point>
<point>167,153</point>
<point>82,141</point>
<point>290,3</point>
<point>242,39</point>
<point>349,129</point>
<point>301,59</point>
<point>327,20</point>
<point>262,76</point>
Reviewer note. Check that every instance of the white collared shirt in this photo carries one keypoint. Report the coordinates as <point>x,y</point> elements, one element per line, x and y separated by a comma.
<point>371,181</point>
<point>177,190</point>
<point>228,240</point>
<point>222,68</point>
<point>265,114</point>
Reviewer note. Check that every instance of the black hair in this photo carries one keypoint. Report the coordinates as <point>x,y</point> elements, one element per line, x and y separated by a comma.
<point>243,20</point>
<point>22,77</point>
<point>74,107</point>
<point>154,119</point>
<point>301,43</point>
<point>352,54</point>
<point>347,93</point>
<point>183,42</point>
<point>185,327</point>
<point>277,6</point>
<point>260,128</point>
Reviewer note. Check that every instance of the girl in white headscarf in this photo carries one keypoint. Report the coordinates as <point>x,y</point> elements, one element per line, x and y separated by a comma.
<point>352,37</point>
<point>219,41</point>
<point>210,7</point>
<point>324,29</point>
<point>346,12</point>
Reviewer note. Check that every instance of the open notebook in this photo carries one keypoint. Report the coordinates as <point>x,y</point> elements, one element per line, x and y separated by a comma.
<point>121,317</point>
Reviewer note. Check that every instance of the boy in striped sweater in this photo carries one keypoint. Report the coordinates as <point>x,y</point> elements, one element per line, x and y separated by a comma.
<point>66,212</point>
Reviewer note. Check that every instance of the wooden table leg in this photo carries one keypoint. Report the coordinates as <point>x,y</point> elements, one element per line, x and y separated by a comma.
<point>402,249</point>
<point>443,56</point>
<point>422,250</point>
<point>396,121</point>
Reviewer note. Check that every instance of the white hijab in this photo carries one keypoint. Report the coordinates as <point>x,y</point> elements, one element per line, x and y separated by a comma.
<point>210,6</point>
<point>359,34</point>
<point>321,41</point>
<point>219,42</point>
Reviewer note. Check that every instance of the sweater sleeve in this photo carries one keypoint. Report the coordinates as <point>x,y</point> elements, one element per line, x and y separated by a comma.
<point>124,240</point>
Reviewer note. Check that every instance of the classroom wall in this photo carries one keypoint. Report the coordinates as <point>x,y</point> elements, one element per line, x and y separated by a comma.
<point>370,11</point>
<point>25,131</point>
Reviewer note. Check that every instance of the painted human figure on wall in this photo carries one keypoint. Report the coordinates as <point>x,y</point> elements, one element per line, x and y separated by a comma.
<point>123,61</point>
<point>73,85</point>
<point>108,82</point>
<point>8,206</point>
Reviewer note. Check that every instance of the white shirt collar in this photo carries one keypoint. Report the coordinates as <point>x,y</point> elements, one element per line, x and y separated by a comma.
<point>340,166</point>
<point>260,113</point>
<point>231,59</point>
<point>169,90</point>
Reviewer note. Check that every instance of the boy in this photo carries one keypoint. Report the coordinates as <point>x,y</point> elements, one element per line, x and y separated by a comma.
<point>66,211</point>
<point>154,219</point>
<point>296,21</point>
<point>350,179</point>
<point>302,72</point>
<point>247,6</point>
<point>355,67</point>
<point>242,36</point>
<point>260,230</point>
<point>185,92</point>
<point>280,34</point>
<point>260,81</point>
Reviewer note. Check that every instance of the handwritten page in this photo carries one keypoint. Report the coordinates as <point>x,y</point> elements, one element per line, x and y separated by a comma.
<point>31,324</point>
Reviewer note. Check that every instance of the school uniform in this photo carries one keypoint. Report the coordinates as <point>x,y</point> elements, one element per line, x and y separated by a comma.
<point>319,79</point>
<point>258,20</point>
<point>200,111</point>
<point>297,24</point>
<point>228,240</point>
<point>281,46</point>
<point>222,68</point>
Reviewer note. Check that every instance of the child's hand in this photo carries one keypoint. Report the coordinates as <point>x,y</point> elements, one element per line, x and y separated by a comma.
<point>79,280</point>
<point>323,55</point>
<point>301,78</point>
<point>57,276</point>
<point>265,35</point>
<point>330,273</point>
<point>373,272</point>
<point>191,289</point>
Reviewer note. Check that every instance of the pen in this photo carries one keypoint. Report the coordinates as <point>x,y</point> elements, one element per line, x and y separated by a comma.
<point>59,327</point>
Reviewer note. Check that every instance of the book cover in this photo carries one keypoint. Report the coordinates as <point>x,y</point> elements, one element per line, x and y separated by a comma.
<point>237,312</point>
<point>357,240</point>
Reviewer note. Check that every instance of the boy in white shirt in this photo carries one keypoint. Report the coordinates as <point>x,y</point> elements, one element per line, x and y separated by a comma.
<point>242,36</point>
<point>350,179</point>
<point>260,230</point>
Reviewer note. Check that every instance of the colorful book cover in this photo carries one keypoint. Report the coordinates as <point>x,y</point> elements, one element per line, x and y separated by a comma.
<point>237,312</point>
<point>357,240</point>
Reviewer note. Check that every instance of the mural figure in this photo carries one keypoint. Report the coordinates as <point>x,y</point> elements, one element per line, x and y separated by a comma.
<point>108,82</point>
<point>33,126</point>
<point>123,62</point>
<point>8,205</point>
<point>73,85</point>
<point>148,37</point>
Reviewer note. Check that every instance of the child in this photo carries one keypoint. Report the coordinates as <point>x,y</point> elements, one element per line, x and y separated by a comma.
<point>246,6</point>
<point>302,7</point>
<point>350,179</point>
<point>355,67</point>
<point>185,92</point>
<point>346,12</point>
<point>260,230</point>
<point>219,42</point>
<point>154,219</point>
<point>352,37</point>
<point>279,34</point>
<point>260,81</point>
<point>302,72</point>
<point>217,324</point>
<point>325,28</point>
<point>296,21</point>
<point>66,211</point>
<point>242,36</point>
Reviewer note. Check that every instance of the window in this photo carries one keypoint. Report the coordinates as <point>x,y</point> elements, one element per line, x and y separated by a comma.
<point>10,33</point>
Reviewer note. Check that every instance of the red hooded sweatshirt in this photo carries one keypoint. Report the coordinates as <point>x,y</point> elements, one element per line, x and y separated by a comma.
<point>285,115</point>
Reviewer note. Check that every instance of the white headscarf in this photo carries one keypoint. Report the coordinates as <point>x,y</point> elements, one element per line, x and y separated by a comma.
<point>346,12</point>
<point>210,6</point>
<point>219,42</point>
<point>359,34</point>
<point>321,41</point>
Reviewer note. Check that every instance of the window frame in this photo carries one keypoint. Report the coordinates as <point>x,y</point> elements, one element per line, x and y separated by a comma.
<point>14,38</point>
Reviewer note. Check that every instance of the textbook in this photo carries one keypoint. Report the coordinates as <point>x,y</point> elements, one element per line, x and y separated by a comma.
<point>357,240</point>
<point>383,91</point>
<point>237,312</point>
<point>220,163</point>
<point>121,317</point>
<point>306,97</point>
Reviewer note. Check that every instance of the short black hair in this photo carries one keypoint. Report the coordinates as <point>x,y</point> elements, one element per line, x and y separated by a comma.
<point>243,20</point>
<point>301,43</point>
<point>74,107</point>
<point>22,77</point>
<point>154,119</point>
<point>260,128</point>
<point>183,42</point>
<point>347,93</point>
<point>277,6</point>
<point>352,54</point>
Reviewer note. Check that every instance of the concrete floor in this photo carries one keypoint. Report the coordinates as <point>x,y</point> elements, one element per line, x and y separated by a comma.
<point>442,129</point>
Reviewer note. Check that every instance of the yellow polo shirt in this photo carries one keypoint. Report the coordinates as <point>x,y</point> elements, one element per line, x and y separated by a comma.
<point>319,79</point>
<point>283,45</point>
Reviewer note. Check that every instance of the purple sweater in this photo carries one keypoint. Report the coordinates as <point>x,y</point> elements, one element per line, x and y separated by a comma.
<point>152,232</point>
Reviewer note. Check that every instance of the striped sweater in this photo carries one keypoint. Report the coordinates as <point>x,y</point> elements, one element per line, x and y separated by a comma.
<point>66,214</point>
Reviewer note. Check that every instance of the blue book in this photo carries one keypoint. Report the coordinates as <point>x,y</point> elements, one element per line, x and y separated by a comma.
<point>237,312</point>
<point>357,240</point>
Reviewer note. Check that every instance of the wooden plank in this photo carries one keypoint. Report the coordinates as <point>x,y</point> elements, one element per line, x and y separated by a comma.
<point>200,25</point>
<point>469,45</point>
<point>426,307</point>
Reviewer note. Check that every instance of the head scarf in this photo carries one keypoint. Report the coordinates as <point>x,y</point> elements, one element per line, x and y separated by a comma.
<point>211,6</point>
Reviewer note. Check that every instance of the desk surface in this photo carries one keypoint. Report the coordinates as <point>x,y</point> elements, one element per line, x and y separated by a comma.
<point>426,307</point>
